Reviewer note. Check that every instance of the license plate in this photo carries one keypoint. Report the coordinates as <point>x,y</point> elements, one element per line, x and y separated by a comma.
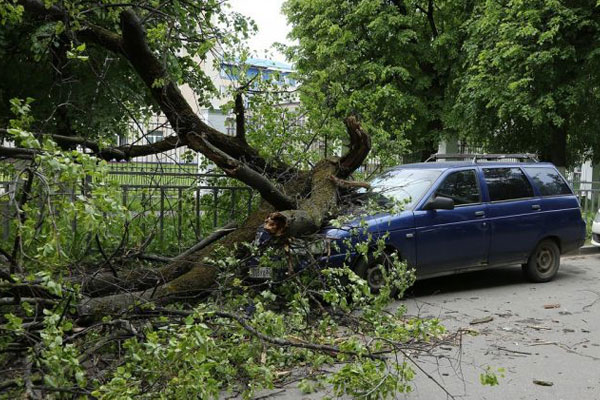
<point>261,272</point>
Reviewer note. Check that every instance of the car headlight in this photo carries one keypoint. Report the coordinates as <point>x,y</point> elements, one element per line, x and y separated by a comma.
<point>597,219</point>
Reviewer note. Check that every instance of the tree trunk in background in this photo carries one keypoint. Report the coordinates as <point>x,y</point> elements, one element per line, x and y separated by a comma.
<point>556,150</point>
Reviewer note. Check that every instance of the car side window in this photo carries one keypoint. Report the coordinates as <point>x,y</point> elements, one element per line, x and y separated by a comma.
<point>507,184</point>
<point>548,181</point>
<point>462,187</point>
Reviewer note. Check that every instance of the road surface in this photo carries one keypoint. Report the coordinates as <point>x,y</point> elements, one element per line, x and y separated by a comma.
<point>547,332</point>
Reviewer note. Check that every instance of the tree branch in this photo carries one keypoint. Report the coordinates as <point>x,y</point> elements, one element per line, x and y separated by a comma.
<point>240,118</point>
<point>177,110</point>
<point>130,151</point>
<point>275,340</point>
<point>360,145</point>
<point>430,17</point>
<point>119,153</point>
<point>134,46</point>
<point>18,153</point>
<point>244,173</point>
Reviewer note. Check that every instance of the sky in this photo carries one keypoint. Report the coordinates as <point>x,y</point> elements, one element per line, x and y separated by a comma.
<point>272,25</point>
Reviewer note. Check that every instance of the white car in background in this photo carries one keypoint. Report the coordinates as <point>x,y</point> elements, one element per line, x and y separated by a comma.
<point>596,230</point>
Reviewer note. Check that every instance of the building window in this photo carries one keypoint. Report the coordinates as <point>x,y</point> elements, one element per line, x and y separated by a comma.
<point>154,136</point>
<point>230,126</point>
<point>122,140</point>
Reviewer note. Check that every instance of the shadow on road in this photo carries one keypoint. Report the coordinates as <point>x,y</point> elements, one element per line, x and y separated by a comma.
<point>494,277</point>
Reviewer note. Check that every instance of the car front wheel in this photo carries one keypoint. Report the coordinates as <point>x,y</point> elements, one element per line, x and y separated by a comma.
<point>543,263</point>
<point>371,270</point>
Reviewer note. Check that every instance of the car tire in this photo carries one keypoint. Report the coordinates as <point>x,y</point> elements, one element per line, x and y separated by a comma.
<point>370,270</point>
<point>543,263</point>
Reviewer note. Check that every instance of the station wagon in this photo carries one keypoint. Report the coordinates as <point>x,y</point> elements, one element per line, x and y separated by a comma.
<point>472,215</point>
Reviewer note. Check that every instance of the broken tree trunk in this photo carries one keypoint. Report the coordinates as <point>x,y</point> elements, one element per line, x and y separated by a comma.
<point>276,182</point>
<point>326,175</point>
<point>194,274</point>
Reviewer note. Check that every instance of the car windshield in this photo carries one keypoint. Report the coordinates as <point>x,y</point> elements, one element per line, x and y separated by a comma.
<point>405,185</point>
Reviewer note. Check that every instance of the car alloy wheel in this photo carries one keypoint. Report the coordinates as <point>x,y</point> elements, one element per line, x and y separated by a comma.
<point>371,271</point>
<point>544,262</point>
<point>375,278</point>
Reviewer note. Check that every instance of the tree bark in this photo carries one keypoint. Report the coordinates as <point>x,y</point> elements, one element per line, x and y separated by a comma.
<point>558,151</point>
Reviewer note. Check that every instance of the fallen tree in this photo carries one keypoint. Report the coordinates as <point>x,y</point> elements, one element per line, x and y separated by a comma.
<point>295,203</point>
<point>119,335</point>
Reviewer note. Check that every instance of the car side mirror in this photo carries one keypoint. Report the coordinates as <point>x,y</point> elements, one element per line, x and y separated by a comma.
<point>439,203</point>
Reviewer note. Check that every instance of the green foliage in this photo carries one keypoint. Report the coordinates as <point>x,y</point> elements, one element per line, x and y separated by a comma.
<point>208,353</point>
<point>387,61</point>
<point>490,377</point>
<point>502,76</point>
<point>205,352</point>
<point>90,92</point>
<point>530,77</point>
<point>10,12</point>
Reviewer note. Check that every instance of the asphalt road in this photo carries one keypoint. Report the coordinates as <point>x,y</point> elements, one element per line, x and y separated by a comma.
<point>531,341</point>
<point>528,338</point>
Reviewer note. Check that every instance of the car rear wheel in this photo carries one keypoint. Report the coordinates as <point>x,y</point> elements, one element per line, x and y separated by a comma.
<point>543,263</point>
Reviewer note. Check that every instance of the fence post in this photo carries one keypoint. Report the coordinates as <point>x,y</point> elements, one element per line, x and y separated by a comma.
<point>197,203</point>
<point>215,207</point>
<point>125,189</point>
<point>74,221</point>
<point>179,212</point>
<point>6,215</point>
<point>162,216</point>
<point>233,198</point>
<point>250,193</point>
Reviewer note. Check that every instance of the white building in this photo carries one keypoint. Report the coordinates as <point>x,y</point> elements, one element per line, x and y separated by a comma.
<point>224,76</point>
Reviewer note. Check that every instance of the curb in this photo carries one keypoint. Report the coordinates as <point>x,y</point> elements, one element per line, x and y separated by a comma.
<point>583,251</point>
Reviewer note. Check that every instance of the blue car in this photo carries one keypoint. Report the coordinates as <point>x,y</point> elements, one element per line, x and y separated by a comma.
<point>470,215</point>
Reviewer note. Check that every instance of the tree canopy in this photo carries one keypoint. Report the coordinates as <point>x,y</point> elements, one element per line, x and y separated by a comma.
<point>530,78</point>
<point>86,310</point>
<point>503,76</point>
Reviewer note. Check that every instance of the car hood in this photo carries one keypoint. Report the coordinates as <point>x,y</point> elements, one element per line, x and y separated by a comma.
<point>373,224</point>
<point>357,229</point>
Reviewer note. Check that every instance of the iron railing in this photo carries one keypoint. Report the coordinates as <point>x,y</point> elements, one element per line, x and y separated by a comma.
<point>183,207</point>
<point>588,194</point>
<point>187,204</point>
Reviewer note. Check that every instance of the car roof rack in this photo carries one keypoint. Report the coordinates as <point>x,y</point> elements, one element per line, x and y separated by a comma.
<point>476,157</point>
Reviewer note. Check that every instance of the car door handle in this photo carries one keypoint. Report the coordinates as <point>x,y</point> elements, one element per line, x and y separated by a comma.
<point>536,207</point>
<point>480,213</point>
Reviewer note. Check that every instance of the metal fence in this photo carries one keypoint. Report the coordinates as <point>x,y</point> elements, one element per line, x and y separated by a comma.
<point>183,207</point>
<point>179,208</point>
<point>588,194</point>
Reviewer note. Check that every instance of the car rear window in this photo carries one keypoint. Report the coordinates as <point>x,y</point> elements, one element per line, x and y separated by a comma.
<point>507,184</point>
<point>548,181</point>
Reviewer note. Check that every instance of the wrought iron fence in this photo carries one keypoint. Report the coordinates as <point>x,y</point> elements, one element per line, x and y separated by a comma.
<point>182,207</point>
<point>588,194</point>
<point>179,208</point>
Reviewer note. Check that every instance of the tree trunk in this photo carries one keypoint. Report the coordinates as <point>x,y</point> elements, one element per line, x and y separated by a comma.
<point>558,150</point>
<point>189,275</point>
<point>194,274</point>
<point>555,150</point>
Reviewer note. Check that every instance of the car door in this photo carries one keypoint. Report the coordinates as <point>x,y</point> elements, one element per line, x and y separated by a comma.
<point>453,239</point>
<point>560,211</point>
<point>514,215</point>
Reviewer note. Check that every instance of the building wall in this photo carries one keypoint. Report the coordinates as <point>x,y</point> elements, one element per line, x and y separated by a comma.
<point>223,78</point>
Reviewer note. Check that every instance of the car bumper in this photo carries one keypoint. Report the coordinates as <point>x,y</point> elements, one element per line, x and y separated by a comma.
<point>596,234</point>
